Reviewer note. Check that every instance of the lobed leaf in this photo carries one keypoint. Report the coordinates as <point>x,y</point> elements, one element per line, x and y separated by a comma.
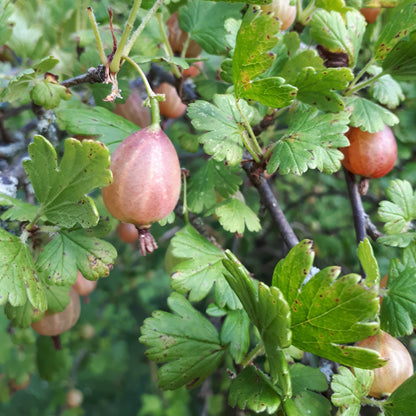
<point>18,275</point>
<point>235,216</point>
<point>398,310</point>
<point>185,340</point>
<point>224,125</point>
<point>399,25</point>
<point>349,389</point>
<point>62,191</point>
<point>252,389</point>
<point>19,210</point>
<point>205,23</point>
<point>98,122</point>
<point>235,333</point>
<point>317,87</point>
<point>210,179</point>
<point>401,61</point>
<point>402,401</point>
<point>400,211</point>
<point>327,312</point>
<point>330,30</point>
<point>368,115</point>
<point>307,383</point>
<point>269,312</point>
<point>257,36</point>
<point>199,268</point>
<point>385,89</point>
<point>311,141</point>
<point>69,252</point>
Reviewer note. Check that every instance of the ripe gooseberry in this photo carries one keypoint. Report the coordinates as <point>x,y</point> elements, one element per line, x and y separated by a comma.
<point>177,38</point>
<point>283,10</point>
<point>146,182</point>
<point>370,14</point>
<point>194,69</point>
<point>127,232</point>
<point>399,366</point>
<point>134,111</point>
<point>84,286</point>
<point>172,107</point>
<point>371,155</point>
<point>53,324</point>
<point>74,398</point>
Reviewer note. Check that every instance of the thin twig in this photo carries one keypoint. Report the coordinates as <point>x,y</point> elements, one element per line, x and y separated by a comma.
<point>357,206</point>
<point>269,200</point>
<point>93,75</point>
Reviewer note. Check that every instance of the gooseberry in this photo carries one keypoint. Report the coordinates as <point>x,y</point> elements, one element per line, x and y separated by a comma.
<point>127,232</point>
<point>53,324</point>
<point>399,366</point>
<point>84,286</point>
<point>172,107</point>
<point>371,155</point>
<point>283,10</point>
<point>146,182</point>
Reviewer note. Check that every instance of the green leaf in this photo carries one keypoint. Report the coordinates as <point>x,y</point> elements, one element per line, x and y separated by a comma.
<point>385,89</point>
<point>184,339</point>
<point>317,87</point>
<point>204,21</point>
<point>330,30</point>
<point>368,262</point>
<point>20,210</point>
<point>257,35</point>
<point>401,61</point>
<point>368,115</point>
<point>398,240</point>
<point>6,11</point>
<point>98,122</point>
<point>202,268</point>
<point>337,5</point>
<point>269,312</point>
<point>49,94</point>
<point>235,331</point>
<point>57,297</point>
<point>265,306</point>
<point>46,64</point>
<point>20,316</point>
<point>252,57</point>
<point>273,92</point>
<point>400,211</point>
<point>17,89</point>
<point>252,389</point>
<point>291,60</point>
<point>52,364</point>
<point>327,312</point>
<point>224,124</point>
<point>62,191</point>
<point>234,216</point>
<point>398,310</point>
<point>69,252</point>
<point>307,381</point>
<point>211,178</point>
<point>349,389</point>
<point>402,401</point>
<point>290,273</point>
<point>400,23</point>
<point>310,142</point>
<point>18,276</point>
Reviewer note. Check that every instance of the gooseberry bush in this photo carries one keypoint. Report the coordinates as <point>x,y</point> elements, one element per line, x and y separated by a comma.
<point>258,291</point>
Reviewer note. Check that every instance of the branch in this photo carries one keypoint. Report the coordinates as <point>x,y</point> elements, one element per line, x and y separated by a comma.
<point>269,200</point>
<point>92,76</point>
<point>358,212</point>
